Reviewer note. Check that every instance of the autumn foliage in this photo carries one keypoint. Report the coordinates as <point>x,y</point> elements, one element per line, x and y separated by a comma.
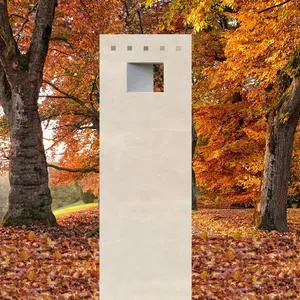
<point>72,86</point>
<point>242,53</point>
<point>240,50</point>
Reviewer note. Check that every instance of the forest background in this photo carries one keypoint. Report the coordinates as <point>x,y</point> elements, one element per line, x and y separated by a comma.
<point>240,49</point>
<point>246,107</point>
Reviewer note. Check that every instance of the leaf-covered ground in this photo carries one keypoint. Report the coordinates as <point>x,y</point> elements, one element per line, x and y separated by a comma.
<point>56,263</point>
<point>232,260</point>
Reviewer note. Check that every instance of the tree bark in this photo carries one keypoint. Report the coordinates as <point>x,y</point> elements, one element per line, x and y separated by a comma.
<point>21,77</point>
<point>29,196</point>
<point>271,211</point>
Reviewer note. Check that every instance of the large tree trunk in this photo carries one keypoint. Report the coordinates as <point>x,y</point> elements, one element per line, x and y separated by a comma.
<point>21,77</point>
<point>271,212</point>
<point>29,196</point>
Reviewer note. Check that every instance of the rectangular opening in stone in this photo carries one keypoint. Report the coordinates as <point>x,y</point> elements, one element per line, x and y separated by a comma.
<point>145,77</point>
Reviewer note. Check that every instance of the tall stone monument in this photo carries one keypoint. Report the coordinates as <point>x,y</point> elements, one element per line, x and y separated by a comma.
<point>145,167</point>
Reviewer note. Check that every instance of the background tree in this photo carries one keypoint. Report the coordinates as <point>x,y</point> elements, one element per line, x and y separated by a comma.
<point>242,63</point>
<point>70,104</point>
<point>260,45</point>
<point>265,51</point>
<point>21,74</point>
<point>70,97</point>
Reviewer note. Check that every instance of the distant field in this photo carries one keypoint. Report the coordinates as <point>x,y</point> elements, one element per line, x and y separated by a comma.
<point>70,209</point>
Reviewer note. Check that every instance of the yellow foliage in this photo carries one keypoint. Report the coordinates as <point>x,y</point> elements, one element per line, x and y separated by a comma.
<point>236,275</point>
<point>58,255</point>
<point>203,235</point>
<point>237,235</point>
<point>230,3</point>
<point>30,275</point>
<point>254,134</point>
<point>230,255</point>
<point>203,275</point>
<point>31,235</point>
<point>214,154</point>
<point>25,255</point>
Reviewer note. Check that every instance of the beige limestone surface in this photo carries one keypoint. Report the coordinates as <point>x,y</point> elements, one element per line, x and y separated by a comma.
<point>145,169</point>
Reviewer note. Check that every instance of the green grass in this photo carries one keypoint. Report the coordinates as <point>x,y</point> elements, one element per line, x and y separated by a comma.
<point>70,209</point>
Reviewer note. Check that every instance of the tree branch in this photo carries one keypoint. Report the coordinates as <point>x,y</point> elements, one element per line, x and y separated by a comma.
<point>94,89</point>
<point>17,16</point>
<point>55,97</point>
<point>26,20</point>
<point>67,95</point>
<point>75,170</point>
<point>139,13</point>
<point>9,52</point>
<point>18,34</point>
<point>61,39</point>
<point>274,6</point>
<point>93,114</point>
<point>40,38</point>
<point>78,126</point>
<point>59,51</point>
<point>59,114</point>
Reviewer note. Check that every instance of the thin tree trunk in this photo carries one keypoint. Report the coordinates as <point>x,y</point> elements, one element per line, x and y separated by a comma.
<point>194,192</point>
<point>29,196</point>
<point>271,211</point>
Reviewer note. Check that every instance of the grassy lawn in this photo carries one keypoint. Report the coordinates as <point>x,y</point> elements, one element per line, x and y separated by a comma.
<point>73,208</point>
